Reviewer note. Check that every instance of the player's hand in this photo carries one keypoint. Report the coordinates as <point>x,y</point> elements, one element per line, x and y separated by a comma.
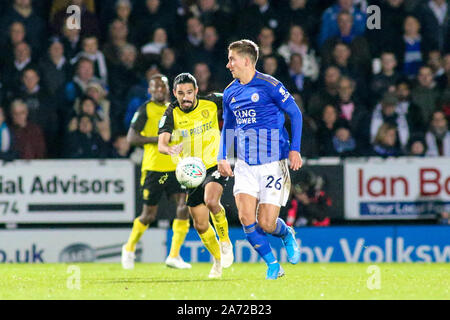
<point>174,150</point>
<point>295,160</point>
<point>224,168</point>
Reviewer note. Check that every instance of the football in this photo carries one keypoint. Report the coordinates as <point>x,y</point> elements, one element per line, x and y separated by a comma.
<point>191,172</point>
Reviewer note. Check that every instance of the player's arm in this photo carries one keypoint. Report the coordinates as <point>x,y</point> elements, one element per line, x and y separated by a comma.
<point>286,102</point>
<point>166,127</point>
<point>134,136</point>
<point>226,135</point>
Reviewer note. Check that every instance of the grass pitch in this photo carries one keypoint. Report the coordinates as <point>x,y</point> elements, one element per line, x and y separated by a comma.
<point>240,281</point>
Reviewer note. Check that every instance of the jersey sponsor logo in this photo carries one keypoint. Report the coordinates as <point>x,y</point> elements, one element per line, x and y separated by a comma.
<point>245,116</point>
<point>255,97</point>
<point>162,122</point>
<point>284,93</point>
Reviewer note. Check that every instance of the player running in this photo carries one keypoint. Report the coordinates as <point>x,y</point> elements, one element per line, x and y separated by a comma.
<point>253,110</point>
<point>191,126</point>
<point>158,176</point>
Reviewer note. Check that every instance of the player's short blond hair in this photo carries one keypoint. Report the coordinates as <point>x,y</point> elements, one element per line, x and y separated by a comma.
<point>246,47</point>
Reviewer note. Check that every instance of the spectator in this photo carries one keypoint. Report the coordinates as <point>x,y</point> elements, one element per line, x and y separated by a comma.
<point>326,94</point>
<point>169,65</point>
<point>300,82</point>
<point>120,147</point>
<point>152,50</point>
<point>344,144</point>
<point>85,143</point>
<point>444,80</point>
<point>205,83</point>
<point>83,75</point>
<point>326,129</point>
<point>89,24</point>
<point>71,41</point>
<point>416,146</point>
<point>54,68</point>
<point>16,35</point>
<point>411,50</point>
<point>298,43</point>
<point>426,94</point>
<point>408,108</point>
<point>386,80</point>
<point>211,14</point>
<point>349,107</point>
<point>28,137</point>
<point>22,11</point>
<point>385,143</point>
<point>6,139</point>
<point>271,67</point>
<point>302,11</point>
<point>309,204</point>
<point>124,75</point>
<point>435,62</point>
<point>91,51</point>
<point>438,136</point>
<point>13,70</point>
<point>329,21</point>
<point>433,15</point>
<point>118,38</point>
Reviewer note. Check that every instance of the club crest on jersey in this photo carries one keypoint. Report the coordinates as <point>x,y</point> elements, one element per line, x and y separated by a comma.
<point>255,97</point>
<point>205,114</point>
<point>162,122</point>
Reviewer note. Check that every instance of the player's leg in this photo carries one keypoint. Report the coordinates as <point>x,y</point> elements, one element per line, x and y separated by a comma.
<point>180,228</point>
<point>213,193</point>
<point>200,216</point>
<point>275,186</point>
<point>151,195</point>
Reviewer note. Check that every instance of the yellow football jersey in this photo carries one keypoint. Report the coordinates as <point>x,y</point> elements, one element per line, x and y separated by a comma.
<point>146,121</point>
<point>197,128</point>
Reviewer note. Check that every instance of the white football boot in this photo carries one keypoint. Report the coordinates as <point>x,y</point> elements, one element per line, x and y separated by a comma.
<point>216,270</point>
<point>226,254</point>
<point>177,263</point>
<point>127,258</point>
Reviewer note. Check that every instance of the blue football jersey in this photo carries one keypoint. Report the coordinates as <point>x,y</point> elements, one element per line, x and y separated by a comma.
<point>254,119</point>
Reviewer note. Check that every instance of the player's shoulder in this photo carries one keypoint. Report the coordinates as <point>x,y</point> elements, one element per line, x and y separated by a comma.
<point>143,106</point>
<point>214,97</point>
<point>266,80</point>
<point>229,87</point>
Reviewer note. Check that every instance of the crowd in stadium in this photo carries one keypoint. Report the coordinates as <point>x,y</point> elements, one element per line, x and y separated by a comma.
<point>71,93</point>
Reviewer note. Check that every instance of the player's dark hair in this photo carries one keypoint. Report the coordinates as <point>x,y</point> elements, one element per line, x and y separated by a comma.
<point>184,78</point>
<point>246,47</point>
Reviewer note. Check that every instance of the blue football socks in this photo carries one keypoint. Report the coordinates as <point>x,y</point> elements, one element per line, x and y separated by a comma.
<point>258,239</point>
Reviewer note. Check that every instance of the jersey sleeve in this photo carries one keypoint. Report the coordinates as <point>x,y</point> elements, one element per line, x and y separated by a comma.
<point>140,118</point>
<point>166,123</point>
<point>227,134</point>
<point>286,102</point>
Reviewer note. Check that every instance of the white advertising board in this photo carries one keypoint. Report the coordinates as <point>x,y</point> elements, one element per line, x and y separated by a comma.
<point>45,191</point>
<point>401,188</point>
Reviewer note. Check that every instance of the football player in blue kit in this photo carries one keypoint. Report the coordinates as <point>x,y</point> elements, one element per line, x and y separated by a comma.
<point>254,105</point>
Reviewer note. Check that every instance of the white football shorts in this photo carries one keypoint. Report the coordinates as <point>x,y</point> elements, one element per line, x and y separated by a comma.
<point>269,183</point>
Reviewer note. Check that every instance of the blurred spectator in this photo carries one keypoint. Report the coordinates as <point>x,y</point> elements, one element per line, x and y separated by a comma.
<point>29,141</point>
<point>169,65</point>
<point>438,136</point>
<point>298,43</point>
<point>120,147</point>
<point>385,143</point>
<point>83,75</point>
<point>266,39</point>
<point>54,68</point>
<point>349,107</point>
<point>91,51</point>
<point>84,142</point>
<point>6,139</point>
<point>358,45</point>
<point>435,62</point>
<point>41,108</point>
<point>302,12</point>
<point>433,15</point>
<point>71,41</point>
<point>13,69</point>
<point>444,104</point>
<point>344,145</point>
<point>411,50</point>
<point>271,67</point>
<point>22,11</point>
<point>444,79</point>
<point>89,24</point>
<point>386,80</point>
<point>251,20</point>
<point>416,146</point>
<point>195,30</point>
<point>326,129</point>
<point>301,83</point>
<point>426,94</point>
<point>117,39</point>
<point>406,107</point>
<point>16,35</point>
<point>125,74</point>
<point>158,42</point>
<point>309,204</point>
<point>326,94</point>
<point>211,14</point>
<point>205,83</point>
<point>329,21</point>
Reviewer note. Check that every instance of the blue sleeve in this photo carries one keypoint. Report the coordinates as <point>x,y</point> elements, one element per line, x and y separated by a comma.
<point>228,124</point>
<point>286,102</point>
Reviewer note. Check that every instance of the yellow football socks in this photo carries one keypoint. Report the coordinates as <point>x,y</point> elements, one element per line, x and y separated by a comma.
<point>136,233</point>
<point>221,224</point>
<point>180,229</point>
<point>210,241</point>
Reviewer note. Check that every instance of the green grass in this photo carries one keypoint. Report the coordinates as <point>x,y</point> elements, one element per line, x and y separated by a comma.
<point>241,281</point>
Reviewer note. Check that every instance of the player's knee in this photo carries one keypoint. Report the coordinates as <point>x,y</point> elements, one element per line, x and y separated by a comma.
<point>212,204</point>
<point>148,215</point>
<point>267,225</point>
<point>182,211</point>
<point>246,220</point>
<point>201,226</point>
